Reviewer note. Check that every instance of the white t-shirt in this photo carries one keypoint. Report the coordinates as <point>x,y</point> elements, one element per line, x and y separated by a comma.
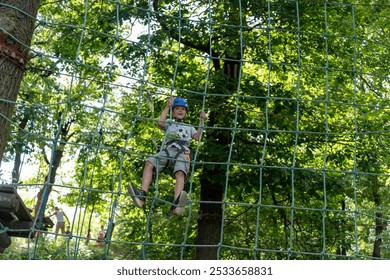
<point>177,131</point>
<point>60,216</point>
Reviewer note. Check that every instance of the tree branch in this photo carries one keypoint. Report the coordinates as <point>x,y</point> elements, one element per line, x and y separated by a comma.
<point>206,48</point>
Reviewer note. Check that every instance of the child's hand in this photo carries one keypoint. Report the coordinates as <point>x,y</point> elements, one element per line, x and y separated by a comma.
<point>169,102</point>
<point>203,115</point>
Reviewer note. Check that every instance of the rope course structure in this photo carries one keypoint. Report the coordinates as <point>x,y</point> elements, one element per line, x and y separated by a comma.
<point>292,162</point>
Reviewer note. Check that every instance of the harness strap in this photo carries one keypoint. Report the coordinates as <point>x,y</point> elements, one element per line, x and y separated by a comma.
<point>179,151</point>
<point>180,142</point>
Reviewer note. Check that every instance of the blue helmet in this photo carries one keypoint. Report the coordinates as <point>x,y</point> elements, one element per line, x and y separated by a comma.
<point>180,102</point>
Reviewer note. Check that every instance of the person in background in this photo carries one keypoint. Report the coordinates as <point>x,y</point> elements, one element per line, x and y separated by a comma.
<point>60,225</point>
<point>67,232</point>
<point>101,236</point>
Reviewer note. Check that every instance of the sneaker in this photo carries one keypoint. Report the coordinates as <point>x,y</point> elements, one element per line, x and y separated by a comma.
<point>179,205</point>
<point>137,196</point>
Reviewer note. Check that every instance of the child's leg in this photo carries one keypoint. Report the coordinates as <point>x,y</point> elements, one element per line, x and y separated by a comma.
<point>147,176</point>
<point>180,180</point>
<point>138,196</point>
<point>182,166</point>
<point>157,161</point>
<point>180,195</point>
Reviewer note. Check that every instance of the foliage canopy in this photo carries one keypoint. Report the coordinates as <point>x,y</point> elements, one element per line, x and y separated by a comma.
<point>293,163</point>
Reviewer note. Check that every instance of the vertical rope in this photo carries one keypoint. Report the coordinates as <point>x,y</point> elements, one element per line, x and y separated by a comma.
<point>266,133</point>
<point>60,123</point>
<point>194,161</point>
<point>293,163</point>
<point>326,36</point>
<point>97,131</point>
<point>130,133</point>
<point>233,136</point>
<point>356,134</point>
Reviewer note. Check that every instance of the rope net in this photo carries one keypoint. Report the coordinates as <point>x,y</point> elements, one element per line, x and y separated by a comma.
<point>293,159</point>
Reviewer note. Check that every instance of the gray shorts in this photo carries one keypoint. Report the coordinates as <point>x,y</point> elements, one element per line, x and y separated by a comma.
<point>181,163</point>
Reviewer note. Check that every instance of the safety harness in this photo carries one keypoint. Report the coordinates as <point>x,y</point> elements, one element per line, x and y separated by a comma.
<point>182,149</point>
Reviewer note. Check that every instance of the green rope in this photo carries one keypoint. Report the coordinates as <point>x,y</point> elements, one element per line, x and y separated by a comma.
<point>326,129</point>
<point>233,134</point>
<point>355,91</point>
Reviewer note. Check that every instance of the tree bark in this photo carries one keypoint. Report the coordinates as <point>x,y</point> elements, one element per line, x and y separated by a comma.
<point>379,224</point>
<point>44,192</point>
<point>210,217</point>
<point>19,150</point>
<point>213,180</point>
<point>17,21</point>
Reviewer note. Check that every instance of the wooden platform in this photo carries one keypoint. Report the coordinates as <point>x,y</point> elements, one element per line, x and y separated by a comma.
<point>14,214</point>
<point>16,219</point>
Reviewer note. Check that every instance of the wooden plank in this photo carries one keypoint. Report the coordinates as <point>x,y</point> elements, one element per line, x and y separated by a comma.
<point>23,213</point>
<point>20,229</point>
<point>20,222</point>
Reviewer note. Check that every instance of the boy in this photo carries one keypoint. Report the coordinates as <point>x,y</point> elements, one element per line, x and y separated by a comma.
<point>175,149</point>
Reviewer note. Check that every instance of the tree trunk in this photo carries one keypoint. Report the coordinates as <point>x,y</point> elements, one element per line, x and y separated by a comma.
<point>213,179</point>
<point>342,249</point>
<point>44,192</point>
<point>19,150</point>
<point>379,224</point>
<point>16,30</point>
<point>210,217</point>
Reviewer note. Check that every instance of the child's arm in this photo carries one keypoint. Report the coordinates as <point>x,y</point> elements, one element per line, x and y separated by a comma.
<point>196,136</point>
<point>163,117</point>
